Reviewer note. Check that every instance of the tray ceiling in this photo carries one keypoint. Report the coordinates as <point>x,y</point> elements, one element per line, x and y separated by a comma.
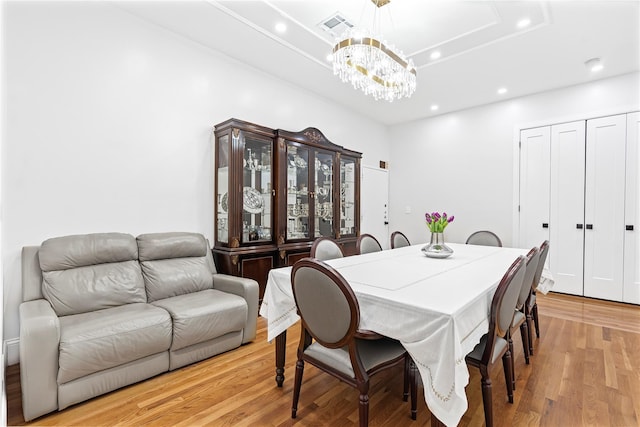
<point>482,44</point>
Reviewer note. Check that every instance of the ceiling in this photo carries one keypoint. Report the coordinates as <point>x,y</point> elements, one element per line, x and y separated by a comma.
<point>482,48</point>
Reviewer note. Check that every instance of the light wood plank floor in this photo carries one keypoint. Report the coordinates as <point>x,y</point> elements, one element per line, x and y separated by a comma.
<point>585,372</point>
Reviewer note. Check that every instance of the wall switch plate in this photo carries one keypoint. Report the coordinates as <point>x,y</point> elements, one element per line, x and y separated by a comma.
<point>407,209</point>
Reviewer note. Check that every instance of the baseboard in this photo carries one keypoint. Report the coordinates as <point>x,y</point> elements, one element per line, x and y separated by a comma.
<point>12,352</point>
<point>3,387</point>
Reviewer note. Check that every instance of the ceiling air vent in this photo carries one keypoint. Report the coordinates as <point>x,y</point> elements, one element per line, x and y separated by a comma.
<point>336,24</point>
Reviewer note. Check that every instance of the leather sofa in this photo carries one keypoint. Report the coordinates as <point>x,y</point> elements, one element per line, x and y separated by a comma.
<point>102,311</point>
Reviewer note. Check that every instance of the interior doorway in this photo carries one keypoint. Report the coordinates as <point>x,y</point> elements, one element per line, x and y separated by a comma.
<point>374,202</point>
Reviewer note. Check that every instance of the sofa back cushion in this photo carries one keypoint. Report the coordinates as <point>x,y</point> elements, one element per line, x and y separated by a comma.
<point>90,272</point>
<point>174,264</point>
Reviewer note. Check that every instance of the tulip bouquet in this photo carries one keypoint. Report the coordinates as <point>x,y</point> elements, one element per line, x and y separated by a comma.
<point>436,222</point>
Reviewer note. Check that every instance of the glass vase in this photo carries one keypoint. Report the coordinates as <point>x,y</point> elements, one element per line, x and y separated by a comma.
<point>437,248</point>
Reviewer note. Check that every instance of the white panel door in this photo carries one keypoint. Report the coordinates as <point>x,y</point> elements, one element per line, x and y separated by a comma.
<point>535,154</point>
<point>374,204</point>
<point>631,287</point>
<point>566,205</point>
<point>604,207</point>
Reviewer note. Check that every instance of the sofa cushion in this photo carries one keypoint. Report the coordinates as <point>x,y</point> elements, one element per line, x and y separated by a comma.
<point>174,264</point>
<point>90,272</point>
<point>172,277</point>
<point>154,246</point>
<point>204,315</point>
<point>92,342</point>
<point>62,253</point>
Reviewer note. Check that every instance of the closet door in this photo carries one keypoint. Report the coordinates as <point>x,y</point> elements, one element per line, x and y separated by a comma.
<point>604,207</point>
<point>566,222</point>
<point>535,146</point>
<point>631,291</point>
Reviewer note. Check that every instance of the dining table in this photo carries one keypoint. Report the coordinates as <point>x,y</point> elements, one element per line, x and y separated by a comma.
<point>438,308</point>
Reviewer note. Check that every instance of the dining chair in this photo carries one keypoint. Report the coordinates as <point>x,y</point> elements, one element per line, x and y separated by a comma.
<point>493,345</point>
<point>330,337</point>
<point>325,248</point>
<point>532,305</point>
<point>520,315</point>
<point>367,243</point>
<point>399,240</point>
<point>484,238</point>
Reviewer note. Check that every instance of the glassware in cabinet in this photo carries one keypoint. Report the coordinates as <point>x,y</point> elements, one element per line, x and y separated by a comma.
<point>298,191</point>
<point>323,194</point>
<point>257,189</point>
<point>348,191</point>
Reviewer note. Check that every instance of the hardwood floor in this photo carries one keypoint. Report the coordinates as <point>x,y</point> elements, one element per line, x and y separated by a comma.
<point>585,372</point>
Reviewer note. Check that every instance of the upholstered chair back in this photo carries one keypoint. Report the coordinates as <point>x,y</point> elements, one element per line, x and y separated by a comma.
<point>325,248</point>
<point>484,238</point>
<point>367,244</point>
<point>507,304</point>
<point>325,303</point>
<point>544,251</point>
<point>399,240</point>
<point>532,264</point>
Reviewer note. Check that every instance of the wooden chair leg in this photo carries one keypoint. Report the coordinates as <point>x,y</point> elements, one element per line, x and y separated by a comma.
<point>524,333</point>
<point>512,368</point>
<point>486,401</point>
<point>529,336</point>
<point>507,363</point>
<point>535,319</point>
<point>407,378</point>
<point>296,387</point>
<point>414,389</point>
<point>364,410</point>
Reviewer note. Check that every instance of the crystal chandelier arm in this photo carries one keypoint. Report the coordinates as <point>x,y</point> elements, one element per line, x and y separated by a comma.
<point>369,41</point>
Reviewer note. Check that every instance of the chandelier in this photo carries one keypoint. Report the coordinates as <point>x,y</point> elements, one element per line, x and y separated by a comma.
<point>367,62</point>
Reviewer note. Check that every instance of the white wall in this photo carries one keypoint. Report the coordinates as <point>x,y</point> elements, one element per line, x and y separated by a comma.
<point>3,394</point>
<point>109,122</point>
<point>463,162</point>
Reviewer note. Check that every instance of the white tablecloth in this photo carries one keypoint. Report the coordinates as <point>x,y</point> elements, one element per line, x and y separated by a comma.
<point>437,308</point>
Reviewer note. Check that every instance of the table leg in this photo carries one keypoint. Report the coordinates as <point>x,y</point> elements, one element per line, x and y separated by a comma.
<point>281,348</point>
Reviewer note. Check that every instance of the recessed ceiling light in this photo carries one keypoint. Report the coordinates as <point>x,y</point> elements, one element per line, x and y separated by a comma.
<point>502,91</point>
<point>523,23</point>
<point>594,64</point>
<point>281,27</point>
<point>435,54</point>
<point>434,107</point>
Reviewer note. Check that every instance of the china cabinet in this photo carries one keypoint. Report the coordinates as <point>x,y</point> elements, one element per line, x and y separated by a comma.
<point>276,191</point>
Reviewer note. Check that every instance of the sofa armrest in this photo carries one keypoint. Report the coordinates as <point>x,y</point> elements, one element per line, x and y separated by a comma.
<point>39,341</point>
<point>247,289</point>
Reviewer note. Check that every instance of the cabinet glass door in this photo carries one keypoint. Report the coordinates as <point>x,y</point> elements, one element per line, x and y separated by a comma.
<point>257,215</point>
<point>297,192</point>
<point>323,195</point>
<point>347,196</point>
<point>222,219</point>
